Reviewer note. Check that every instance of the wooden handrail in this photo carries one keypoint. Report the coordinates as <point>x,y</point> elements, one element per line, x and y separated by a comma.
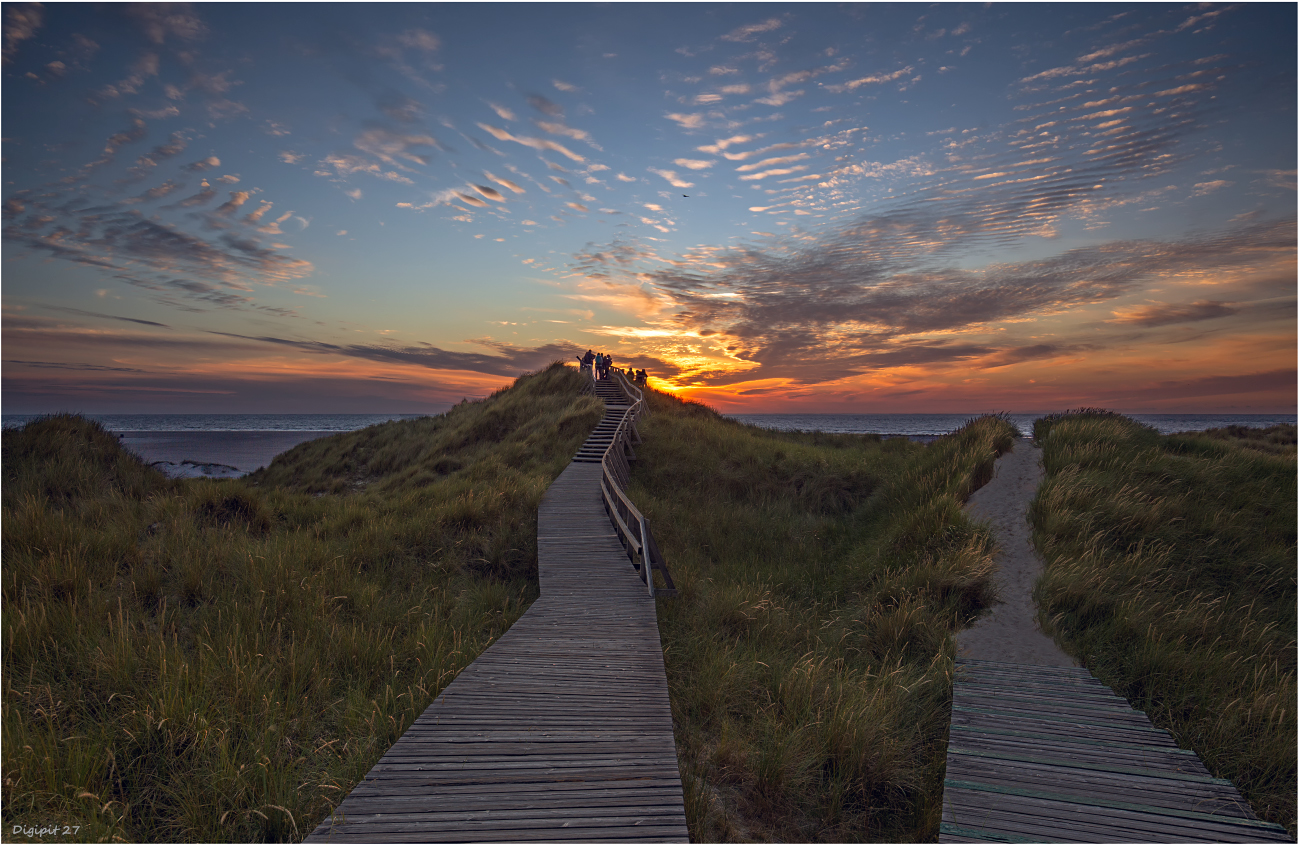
<point>630,524</point>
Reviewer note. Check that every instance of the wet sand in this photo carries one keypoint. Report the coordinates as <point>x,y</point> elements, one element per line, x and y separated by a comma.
<point>213,454</point>
<point>1009,633</point>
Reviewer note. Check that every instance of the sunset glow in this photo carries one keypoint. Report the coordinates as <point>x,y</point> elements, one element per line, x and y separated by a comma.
<point>287,208</point>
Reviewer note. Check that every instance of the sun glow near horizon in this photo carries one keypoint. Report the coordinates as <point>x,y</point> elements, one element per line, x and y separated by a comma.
<point>888,209</point>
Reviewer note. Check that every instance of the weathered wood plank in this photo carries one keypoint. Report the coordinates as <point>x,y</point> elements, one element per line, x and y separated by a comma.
<point>1047,754</point>
<point>562,729</point>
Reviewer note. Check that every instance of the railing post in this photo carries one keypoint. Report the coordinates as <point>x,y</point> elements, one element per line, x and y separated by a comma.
<point>615,476</point>
<point>647,567</point>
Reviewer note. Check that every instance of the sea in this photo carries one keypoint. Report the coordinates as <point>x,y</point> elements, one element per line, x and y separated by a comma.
<point>927,426</point>
<point>227,422</point>
<point>232,445</point>
<point>888,425</point>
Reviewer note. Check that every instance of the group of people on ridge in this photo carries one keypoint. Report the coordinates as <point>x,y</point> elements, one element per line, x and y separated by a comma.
<point>602,364</point>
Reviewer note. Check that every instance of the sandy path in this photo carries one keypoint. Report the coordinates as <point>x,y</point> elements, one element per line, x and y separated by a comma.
<point>1009,633</point>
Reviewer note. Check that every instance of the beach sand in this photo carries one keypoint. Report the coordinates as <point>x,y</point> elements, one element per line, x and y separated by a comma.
<point>213,454</point>
<point>1010,634</point>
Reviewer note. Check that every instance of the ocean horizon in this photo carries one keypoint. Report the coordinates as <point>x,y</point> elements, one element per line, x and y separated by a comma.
<point>889,425</point>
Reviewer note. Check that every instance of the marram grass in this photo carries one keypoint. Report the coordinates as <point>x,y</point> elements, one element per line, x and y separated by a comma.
<point>808,655</point>
<point>1171,573</point>
<point>223,660</point>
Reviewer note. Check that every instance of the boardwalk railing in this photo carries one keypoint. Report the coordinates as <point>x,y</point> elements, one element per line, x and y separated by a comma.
<point>630,524</point>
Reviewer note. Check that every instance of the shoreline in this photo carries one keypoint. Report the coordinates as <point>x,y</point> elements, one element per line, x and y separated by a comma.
<point>235,452</point>
<point>212,454</point>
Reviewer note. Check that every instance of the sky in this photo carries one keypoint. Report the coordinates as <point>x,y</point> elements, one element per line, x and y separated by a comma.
<point>896,208</point>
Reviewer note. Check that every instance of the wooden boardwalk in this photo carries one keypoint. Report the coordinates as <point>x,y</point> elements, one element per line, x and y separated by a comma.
<point>1050,754</point>
<point>561,730</point>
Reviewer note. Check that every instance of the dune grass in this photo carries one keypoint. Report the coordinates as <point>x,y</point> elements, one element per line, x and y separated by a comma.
<point>223,660</point>
<point>808,654</point>
<point>1171,573</point>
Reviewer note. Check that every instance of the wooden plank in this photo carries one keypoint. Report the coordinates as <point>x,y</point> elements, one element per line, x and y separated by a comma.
<point>977,729</point>
<point>1063,761</point>
<point>562,729</point>
<point>1082,782</point>
<point>1049,754</point>
<point>1066,798</point>
<point>1010,812</point>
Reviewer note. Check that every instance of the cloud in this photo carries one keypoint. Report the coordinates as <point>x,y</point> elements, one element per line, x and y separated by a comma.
<point>875,294</point>
<point>143,68</point>
<point>419,39</point>
<point>1195,19</point>
<point>118,139</point>
<point>1203,188</point>
<point>687,121</point>
<point>160,21</point>
<point>671,176</point>
<point>718,146</point>
<point>502,112</point>
<point>78,311</point>
<point>693,164</point>
<point>509,360</point>
<point>567,131</point>
<point>505,183</point>
<point>201,198</point>
<point>401,108</point>
<point>394,148</point>
<point>623,177</point>
<point>157,192</point>
<point>255,216</point>
<point>564,86</point>
<point>164,258</point>
<point>749,31</point>
<point>469,200</point>
<point>1169,314</point>
<point>22,21</point>
<point>771,162</point>
<point>490,193</point>
<point>535,143</point>
<point>873,79</point>
<point>545,106</point>
<point>156,114</point>
<point>779,171</point>
<point>93,368</point>
<point>237,198</point>
<point>345,165</point>
<point>203,164</point>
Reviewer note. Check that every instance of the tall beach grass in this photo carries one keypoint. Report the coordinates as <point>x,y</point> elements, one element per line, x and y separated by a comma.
<point>808,654</point>
<point>223,660</point>
<point>1171,573</point>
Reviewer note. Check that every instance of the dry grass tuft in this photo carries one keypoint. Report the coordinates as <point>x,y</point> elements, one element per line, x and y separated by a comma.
<point>808,654</point>
<point>1171,572</point>
<point>223,660</point>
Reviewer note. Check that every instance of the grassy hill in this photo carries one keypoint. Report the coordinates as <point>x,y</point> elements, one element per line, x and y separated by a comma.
<point>223,660</point>
<point>808,656</point>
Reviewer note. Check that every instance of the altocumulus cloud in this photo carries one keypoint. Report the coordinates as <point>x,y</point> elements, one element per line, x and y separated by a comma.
<point>508,361</point>
<point>856,300</point>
